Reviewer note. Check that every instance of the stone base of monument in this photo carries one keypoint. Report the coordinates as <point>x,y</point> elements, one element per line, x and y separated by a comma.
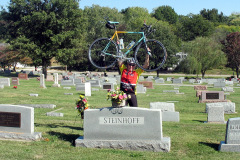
<point>145,145</point>
<point>127,128</point>
<point>223,147</point>
<point>20,136</point>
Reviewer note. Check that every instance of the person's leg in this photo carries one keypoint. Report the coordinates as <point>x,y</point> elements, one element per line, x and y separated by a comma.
<point>133,101</point>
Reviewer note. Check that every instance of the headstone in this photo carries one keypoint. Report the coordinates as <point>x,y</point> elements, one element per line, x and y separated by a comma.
<point>56,80</point>
<point>173,91</point>
<point>168,111</point>
<point>106,86</point>
<point>1,86</point>
<point>95,83</point>
<point>191,80</point>
<point>229,107</point>
<point>69,82</point>
<point>67,87</point>
<point>227,89</point>
<point>78,81</point>
<point>49,78</point>
<point>42,81</point>
<point>169,79</point>
<point>216,114</point>
<point>15,81</point>
<point>87,89</point>
<point>5,81</point>
<point>17,122</point>
<point>128,128</point>
<point>141,88</point>
<point>212,96</point>
<point>147,84</point>
<point>23,76</point>
<point>54,114</point>
<point>232,137</point>
<point>200,87</point>
<point>160,80</point>
<point>51,106</point>
<point>68,93</point>
<point>219,84</point>
<point>80,87</point>
<point>33,95</point>
<point>177,81</point>
<point>230,83</point>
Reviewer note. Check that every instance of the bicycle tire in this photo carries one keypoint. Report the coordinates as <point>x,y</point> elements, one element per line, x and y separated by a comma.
<point>156,59</point>
<point>100,59</point>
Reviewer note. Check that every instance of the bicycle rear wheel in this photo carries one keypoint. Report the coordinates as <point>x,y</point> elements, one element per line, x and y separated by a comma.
<point>101,53</point>
<point>157,55</point>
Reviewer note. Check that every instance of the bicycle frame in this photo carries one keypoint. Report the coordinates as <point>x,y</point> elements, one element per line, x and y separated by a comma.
<point>143,38</point>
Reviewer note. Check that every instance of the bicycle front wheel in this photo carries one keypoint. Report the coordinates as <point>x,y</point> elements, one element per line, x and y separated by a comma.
<point>101,53</point>
<point>157,55</point>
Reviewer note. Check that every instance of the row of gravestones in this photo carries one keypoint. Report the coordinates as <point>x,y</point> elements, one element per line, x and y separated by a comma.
<point>216,109</point>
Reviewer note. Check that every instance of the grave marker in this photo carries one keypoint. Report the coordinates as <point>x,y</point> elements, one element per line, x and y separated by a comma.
<point>5,81</point>
<point>23,76</point>
<point>147,84</point>
<point>15,81</point>
<point>17,122</point>
<point>232,140</point>
<point>129,128</point>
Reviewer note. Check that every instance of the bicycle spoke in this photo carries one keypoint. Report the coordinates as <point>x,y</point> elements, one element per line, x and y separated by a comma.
<point>157,55</point>
<point>101,53</point>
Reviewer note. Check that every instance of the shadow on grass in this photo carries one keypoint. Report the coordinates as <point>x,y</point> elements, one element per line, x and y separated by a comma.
<point>199,121</point>
<point>212,145</point>
<point>66,137</point>
<point>58,125</point>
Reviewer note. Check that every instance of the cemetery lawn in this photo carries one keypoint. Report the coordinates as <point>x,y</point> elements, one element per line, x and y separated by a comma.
<point>191,138</point>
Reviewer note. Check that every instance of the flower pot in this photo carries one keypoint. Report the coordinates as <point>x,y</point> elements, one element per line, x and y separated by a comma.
<point>117,105</point>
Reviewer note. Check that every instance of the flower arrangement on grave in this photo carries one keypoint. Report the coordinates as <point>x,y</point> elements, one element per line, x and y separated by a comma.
<point>116,96</point>
<point>82,104</point>
<point>15,87</point>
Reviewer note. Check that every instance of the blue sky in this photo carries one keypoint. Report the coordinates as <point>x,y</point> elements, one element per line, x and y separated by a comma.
<point>181,7</point>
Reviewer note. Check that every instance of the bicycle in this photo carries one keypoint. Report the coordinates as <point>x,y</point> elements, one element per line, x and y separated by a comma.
<point>105,52</point>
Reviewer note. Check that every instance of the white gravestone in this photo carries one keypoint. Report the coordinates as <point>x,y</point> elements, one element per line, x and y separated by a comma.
<point>87,89</point>
<point>229,107</point>
<point>56,80</point>
<point>168,111</point>
<point>129,128</point>
<point>232,137</point>
<point>5,81</point>
<point>216,114</point>
<point>42,81</point>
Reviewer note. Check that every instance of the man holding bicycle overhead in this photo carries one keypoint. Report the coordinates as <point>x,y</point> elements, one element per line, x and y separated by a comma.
<point>129,79</point>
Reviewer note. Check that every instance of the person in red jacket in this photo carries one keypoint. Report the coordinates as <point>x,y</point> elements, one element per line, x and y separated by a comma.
<point>129,79</point>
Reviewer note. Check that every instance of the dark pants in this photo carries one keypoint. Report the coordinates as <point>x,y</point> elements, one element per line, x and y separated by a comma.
<point>131,101</point>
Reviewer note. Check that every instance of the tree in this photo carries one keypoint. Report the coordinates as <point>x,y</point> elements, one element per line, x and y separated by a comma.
<point>234,19</point>
<point>232,49</point>
<point>213,16</point>
<point>192,26</point>
<point>203,54</point>
<point>43,29</point>
<point>165,13</point>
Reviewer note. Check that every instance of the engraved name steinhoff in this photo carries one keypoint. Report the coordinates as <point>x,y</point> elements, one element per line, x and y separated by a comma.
<point>121,120</point>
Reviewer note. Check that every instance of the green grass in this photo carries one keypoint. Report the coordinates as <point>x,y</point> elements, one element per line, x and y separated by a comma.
<point>191,138</point>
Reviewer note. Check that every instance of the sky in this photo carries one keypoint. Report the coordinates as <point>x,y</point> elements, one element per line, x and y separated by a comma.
<point>181,7</point>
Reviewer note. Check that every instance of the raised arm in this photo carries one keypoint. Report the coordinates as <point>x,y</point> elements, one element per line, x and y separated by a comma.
<point>146,63</point>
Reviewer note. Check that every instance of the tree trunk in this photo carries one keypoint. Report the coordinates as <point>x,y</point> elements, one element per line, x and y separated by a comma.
<point>44,67</point>
<point>158,71</point>
<point>237,71</point>
<point>203,73</point>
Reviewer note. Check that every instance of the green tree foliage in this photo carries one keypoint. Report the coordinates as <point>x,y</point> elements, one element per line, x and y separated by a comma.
<point>45,29</point>
<point>213,16</point>
<point>234,19</point>
<point>165,13</point>
<point>190,27</point>
<point>203,54</point>
<point>232,49</point>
